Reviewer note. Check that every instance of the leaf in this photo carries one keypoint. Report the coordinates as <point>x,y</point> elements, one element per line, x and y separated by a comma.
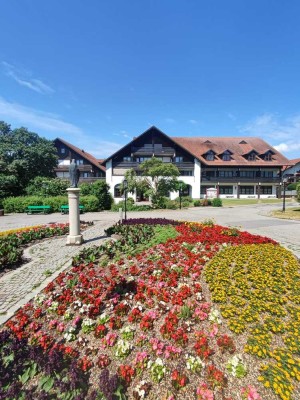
<point>8,359</point>
<point>46,383</point>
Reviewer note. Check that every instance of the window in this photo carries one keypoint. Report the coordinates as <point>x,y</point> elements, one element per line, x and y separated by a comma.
<point>203,189</point>
<point>252,156</point>
<point>127,159</point>
<point>247,174</point>
<point>266,174</point>
<point>225,174</point>
<point>142,159</point>
<point>186,173</point>
<point>246,189</point>
<point>86,175</point>
<point>79,161</point>
<point>117,191</point>
<point>266,190</point>
<point>62,174</point>
<point>210,174</point>
<point>63,150</point>
<point>210,156</point>
<point>226,156</point>
<point>178,159</point>
<point>268,156</point>
<point>226,189</point>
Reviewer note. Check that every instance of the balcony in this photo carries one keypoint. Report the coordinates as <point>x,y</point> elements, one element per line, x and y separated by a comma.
<point>184,165</point>
<point>156,150</point>
<point>235,179</point>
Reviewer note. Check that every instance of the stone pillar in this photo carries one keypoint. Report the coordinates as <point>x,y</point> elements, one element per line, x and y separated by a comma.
<point>74,237</point>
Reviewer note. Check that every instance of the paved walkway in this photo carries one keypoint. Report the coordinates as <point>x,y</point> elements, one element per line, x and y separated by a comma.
<point>51,257</point>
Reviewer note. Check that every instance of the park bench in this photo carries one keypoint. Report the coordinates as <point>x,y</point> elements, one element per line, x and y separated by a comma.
<point>64,209</point>
<point>38,209</point>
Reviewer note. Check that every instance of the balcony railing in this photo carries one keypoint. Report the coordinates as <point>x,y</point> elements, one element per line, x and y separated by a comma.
<point>239,179</point>
<point>157,151</point>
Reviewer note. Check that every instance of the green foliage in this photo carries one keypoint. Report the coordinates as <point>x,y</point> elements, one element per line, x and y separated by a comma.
<point>157,180</point>
<point>298,191</point>
<point>197,203</point>
<point>90,203</point>
<point>292,186</point>
<point>45,187</point>
<point>130,206</point>
<point>19,204</point>
<point>100,189</point>
<point>217,202</point>
<point>186,199</point>
<point>24,155</point>
<point>162,233</point>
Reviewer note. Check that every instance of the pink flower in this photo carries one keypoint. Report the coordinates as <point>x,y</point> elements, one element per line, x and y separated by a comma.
<point>214,330</point>
<point>250,393</point>
<point>203,393</point>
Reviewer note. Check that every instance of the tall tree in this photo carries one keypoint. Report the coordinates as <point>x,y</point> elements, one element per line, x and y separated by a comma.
<point>23,156</point>
<point>157,180</point>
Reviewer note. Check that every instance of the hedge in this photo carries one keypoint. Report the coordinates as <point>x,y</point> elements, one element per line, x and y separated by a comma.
<point>19,204</point>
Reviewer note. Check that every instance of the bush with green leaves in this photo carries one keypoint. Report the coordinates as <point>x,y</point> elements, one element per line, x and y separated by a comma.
<point>20,204</point>
<point>197,203</point>
<point>291,186</point>
<point>298,191</point>
<point>130,206</point>
<point>217,202</point>
<point>46,187</point>
<point>99,189</point>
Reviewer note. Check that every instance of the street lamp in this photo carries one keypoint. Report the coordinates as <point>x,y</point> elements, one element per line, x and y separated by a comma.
<point>284,181</point>
<point>125,186</point>
<point>180,193</point>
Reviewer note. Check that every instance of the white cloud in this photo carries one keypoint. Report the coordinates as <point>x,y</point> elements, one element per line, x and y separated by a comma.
<point>288,146</point>
<point>23,78</point>
<point>36,119</point>
<point>286,131</point>
<point>193,121</point>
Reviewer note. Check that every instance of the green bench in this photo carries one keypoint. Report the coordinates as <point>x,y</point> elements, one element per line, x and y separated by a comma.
<point>65,209</point>
<point>38,209</point>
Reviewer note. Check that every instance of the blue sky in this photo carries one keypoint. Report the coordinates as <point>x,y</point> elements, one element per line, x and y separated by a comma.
<point>97,73</point>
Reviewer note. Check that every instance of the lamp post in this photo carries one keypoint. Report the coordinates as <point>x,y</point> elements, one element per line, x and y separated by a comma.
<point>125,186</point>
<point>180,193</point>
<point>284,181</point>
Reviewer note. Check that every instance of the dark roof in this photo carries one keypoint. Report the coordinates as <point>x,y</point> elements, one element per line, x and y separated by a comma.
<point>83,154</point>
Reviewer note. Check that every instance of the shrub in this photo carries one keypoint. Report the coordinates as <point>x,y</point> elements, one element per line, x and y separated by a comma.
<point>45,187</point>
<point>298,191</point>
<point>100,189</point>
<point>186,204</point>
<point>197,203</point>
<point>217,202</point>
<point>292,186</point>
<point>171,204</point>
<point>90,203</point>
<point>186,199</point>
<point>19,204</point>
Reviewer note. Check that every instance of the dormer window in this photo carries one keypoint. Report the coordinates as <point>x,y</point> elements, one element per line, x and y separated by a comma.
<point>252,156</point>
<point>63,150</point>
<point>268,156</point>
<point>226,156</point>
<point>210,156</point>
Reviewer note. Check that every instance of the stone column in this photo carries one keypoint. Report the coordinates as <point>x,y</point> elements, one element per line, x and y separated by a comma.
<point>74,237</point>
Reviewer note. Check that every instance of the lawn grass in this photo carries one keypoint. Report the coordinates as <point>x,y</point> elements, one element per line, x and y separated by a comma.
<point>290,213</point>
<point>244,202</point>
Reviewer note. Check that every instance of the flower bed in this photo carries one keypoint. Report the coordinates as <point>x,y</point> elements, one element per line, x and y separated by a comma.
<point>146,326</point>
<point>13,241</point>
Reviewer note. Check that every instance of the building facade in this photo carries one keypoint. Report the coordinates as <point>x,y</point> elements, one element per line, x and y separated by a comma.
<point>90,168</point>
<point>237,167</point>
<point>292,173</point>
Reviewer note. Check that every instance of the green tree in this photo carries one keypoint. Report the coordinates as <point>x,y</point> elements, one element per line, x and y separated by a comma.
<point>100,189</point>
<point>45,187</point>
<point>23,156</point>
<point>157,180</point>
<point>298,191</point>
